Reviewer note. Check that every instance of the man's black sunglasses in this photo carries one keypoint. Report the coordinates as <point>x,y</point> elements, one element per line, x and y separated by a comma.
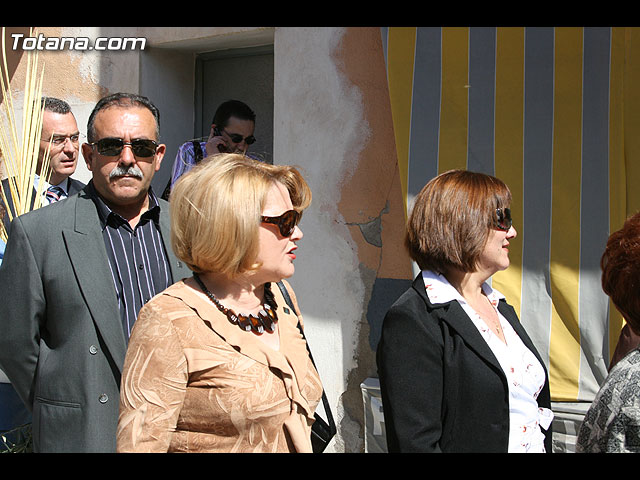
<point>237,138</point>
<point>112,147</point>
<point>286,222</point>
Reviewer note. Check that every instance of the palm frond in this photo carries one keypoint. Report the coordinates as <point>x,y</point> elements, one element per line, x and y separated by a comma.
<point>20,146</point>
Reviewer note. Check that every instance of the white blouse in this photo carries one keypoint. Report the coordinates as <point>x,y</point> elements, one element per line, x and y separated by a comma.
<point>525,374</point>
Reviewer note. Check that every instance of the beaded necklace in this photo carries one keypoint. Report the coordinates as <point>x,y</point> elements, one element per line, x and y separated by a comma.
<point>265,320</point>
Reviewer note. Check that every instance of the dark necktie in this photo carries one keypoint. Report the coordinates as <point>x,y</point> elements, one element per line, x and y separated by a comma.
<point>55,193</point>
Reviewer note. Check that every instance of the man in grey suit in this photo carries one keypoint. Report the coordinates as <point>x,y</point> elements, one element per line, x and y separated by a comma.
<point>74,276</point>
<point>59,136</point>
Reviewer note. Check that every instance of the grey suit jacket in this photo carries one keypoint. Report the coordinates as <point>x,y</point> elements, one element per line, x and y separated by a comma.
<point>62,343</point>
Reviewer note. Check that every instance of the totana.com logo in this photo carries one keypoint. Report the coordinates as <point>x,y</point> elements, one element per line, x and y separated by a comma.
<point>77,43</point>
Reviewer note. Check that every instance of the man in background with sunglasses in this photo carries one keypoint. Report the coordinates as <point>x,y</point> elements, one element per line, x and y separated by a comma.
<point>232,131</point>
<point>75,275</point>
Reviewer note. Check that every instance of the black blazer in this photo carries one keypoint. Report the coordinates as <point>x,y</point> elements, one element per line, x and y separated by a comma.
<point>442,388</point>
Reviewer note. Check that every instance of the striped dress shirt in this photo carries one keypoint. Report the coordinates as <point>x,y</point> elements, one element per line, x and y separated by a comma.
<point>137,257</point>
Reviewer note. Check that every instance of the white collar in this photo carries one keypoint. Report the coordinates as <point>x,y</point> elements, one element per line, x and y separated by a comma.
<point>439,290</point>
<point>36,182</point>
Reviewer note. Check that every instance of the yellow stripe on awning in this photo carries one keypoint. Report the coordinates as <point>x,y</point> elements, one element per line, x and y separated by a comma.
<point>401,52</point>
<point>564,346</point>
<point>617,171</point>
<point>632,119</point>
<point>455,94</point>
<point>509,145</point>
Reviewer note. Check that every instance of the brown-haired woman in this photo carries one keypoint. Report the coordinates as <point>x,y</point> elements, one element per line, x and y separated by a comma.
<point>458,373</point>
<point>216,362</point>
<point>612,423</point>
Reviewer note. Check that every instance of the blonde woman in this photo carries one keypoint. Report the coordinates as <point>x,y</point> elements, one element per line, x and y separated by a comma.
<point>217,363</point>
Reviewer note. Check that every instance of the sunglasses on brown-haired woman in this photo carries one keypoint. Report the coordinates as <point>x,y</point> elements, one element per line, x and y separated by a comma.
<point>504,219</point>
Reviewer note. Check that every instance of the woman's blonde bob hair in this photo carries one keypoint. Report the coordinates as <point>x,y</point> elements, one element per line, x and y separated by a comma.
<point>216,209</point>
<point>451,219</point>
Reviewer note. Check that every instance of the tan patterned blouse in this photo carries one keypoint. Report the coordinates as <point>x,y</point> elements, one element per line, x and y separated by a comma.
<point>194,382</point>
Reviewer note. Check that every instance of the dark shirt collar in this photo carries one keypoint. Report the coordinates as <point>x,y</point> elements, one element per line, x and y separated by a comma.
<point>105,213</point>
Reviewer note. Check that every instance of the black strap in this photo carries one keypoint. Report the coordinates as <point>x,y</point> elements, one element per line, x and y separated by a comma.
<point>325,402</point>
<point>167,191</point>
<point>197,150</point>
<point>199,155</point>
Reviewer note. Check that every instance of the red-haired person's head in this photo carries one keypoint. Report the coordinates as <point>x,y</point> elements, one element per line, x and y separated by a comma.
<point>620,265</point>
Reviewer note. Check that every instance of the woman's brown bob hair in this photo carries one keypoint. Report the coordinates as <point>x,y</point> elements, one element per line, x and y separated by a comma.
<point>451,220</point>
<point>216,209</point>
<point>620,265</point>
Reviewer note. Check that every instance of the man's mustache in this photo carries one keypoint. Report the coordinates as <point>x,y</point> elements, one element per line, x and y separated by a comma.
<point>120,171</point>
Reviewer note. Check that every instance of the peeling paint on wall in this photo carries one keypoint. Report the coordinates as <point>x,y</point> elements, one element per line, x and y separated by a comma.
<point>372,203</point>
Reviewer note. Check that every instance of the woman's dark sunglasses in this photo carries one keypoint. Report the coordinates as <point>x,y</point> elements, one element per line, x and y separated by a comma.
<point>286,222</point>
<point>112,147</point>
<point>237,138</point>
<point>504,219</point>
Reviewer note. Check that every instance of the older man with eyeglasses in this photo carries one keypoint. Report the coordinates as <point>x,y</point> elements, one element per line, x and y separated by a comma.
<point>60,137</point>
<point>75,275</point>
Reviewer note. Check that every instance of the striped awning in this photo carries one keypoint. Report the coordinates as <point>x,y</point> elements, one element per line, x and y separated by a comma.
<point>553,112</point>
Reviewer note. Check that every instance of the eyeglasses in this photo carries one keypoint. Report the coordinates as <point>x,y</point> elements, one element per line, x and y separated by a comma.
<point>286,222</point>
<point>58,140</point>
<point>504,219</point>
<point>237,138</point>
<point>111,147</point>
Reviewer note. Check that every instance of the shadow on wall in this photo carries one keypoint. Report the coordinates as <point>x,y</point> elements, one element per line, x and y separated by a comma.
<point>385,292</point>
